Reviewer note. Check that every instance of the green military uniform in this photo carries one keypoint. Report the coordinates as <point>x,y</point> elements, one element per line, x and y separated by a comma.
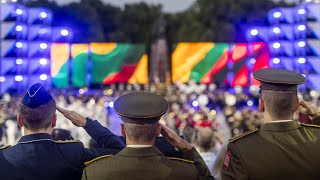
<point>139,163</point>
<point>278,150</point>
<point>146,163</point>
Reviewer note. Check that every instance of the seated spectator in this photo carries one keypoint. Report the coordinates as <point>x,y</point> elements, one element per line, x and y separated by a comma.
<point>141,160</point>
<point>61,135</point>
<point>37,156</point>
<point>206,146</point>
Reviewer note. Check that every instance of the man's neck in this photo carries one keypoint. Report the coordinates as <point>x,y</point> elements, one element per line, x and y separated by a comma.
<point>130,142</point>
<point>30,132</point>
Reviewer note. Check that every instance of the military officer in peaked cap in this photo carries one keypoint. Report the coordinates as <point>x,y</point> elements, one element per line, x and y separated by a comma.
<point>140,112</point>
<point>282,148</point>
<point>36,156</point>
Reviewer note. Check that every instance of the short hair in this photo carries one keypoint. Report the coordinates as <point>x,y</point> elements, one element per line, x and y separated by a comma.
<point>205,138</point>
<point>280,104</point>
<point>141,132</point>
<point>37,118</point>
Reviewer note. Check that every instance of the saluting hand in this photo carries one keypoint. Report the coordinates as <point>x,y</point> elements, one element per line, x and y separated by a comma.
<point>76,119</point>
<point>308,109</point>
<point>174,139</point>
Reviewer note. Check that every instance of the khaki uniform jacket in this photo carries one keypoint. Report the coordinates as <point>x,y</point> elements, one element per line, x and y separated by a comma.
<point>283,150</point>
<point>147,163</point>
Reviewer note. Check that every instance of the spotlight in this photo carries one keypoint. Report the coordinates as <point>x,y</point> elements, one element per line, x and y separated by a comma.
<point>3,1</point>
<point>13,0</point>
<point>308,0</point>
<point>277,14</point>
<point>43,45</point>
<point>64,32</point>
<point>18,78</point>
<point>43,15</point>
<point>276,45</point>
<point>301,11</point>
<point>276,30</point>
<point>19,45</point>
<point>252,60</point>
<point>2,79</point>
<point>19,11</point>
<point>195,103</point>
<point>302,27</point>
<point>302,44</point>
<point>106,104</point>
<point>19,61</point>
<point>276,60</point>
<point>43,61</point>
<point>302,60</point>
<point>19,28</point>
<point>111,104</point>
<point>250,103</point>
<point>43,77</point>
<point>254,32</point>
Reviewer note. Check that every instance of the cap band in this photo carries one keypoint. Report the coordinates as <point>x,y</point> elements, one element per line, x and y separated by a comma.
<point>278,87</point>
<point>140,120</point>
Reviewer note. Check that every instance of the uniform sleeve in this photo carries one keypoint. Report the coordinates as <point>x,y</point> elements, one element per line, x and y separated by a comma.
<point>103,136</point>
<point>201,166</point>
<point>316,121</point>
<point>232,166</point>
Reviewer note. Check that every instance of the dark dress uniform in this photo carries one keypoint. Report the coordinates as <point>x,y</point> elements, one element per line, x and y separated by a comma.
<point>144,163</point>
<point>278,150</point>
<point>39,157</point>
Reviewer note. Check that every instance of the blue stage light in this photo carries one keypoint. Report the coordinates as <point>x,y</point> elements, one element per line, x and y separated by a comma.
<point>43,77</point>
<point>2,79</point>
<point>64,32</point>
<point>111,104</point>
<point>19,45</point>
<point>19,11</point>
<point>302,27</point>
<point>302,60</point>
<point>254,32</point>
<point>276,45</point>
<point>43,45</point>
<point>195,103</point>
<point>43,61</point>
<point>19,28</point>
<point>301,11</point>
<point>43,15</point>
<point>18,78</point>
<point>43,31</point>
<point>302,44</point>
<point>252,60</point>
<point>276,30</point>
<point>19,61</point>
<point>277,14</point>
<point>276,60</point>
<point>249,103</point>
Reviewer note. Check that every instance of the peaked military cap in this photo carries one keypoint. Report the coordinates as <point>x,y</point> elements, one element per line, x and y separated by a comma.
<point>140,107</point>
<point>278,79</point>
<point>36,96</point>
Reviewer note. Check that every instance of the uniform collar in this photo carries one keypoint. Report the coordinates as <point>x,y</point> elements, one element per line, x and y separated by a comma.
<point>281,126</point>
<point>140,152</point>
<point>35,138</point>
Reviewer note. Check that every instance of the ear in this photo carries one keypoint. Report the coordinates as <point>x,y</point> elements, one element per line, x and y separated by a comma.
<point>123,132</point>
<point>261,105</point>
<point>158,132</point>
<point>297,105</point>
<point>54,121</point>
<point>19,120</point>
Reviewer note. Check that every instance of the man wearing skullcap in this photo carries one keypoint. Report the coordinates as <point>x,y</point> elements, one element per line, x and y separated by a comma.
<point>36,156</point>
<point>141,160</point>
<point>282,148</point>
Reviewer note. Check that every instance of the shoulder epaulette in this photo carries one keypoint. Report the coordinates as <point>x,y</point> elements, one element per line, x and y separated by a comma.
<point>64,142</point>
<point>96,159</point>
<point>243,135</point>
<point>179,159</point>
<point>5,147</point>
<point>310,125</point>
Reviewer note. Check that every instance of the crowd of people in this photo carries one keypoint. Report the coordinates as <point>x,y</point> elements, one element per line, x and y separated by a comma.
<point>204,115</point>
